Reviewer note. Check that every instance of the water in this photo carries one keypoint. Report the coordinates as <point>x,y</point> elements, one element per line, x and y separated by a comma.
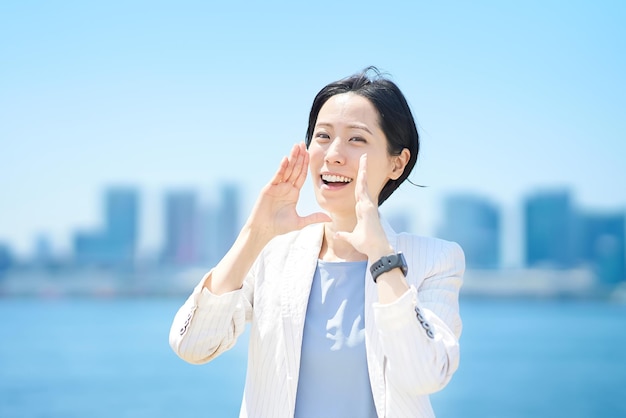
<point>110,358</point>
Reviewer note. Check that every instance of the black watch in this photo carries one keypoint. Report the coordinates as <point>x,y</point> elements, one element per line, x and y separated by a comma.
<point>388,263</point>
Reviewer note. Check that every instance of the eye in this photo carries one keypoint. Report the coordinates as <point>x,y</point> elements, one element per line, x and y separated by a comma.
<point>322,136</point>
<point>357,139</point>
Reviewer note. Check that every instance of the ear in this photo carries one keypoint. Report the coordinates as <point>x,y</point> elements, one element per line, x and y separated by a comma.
<point>399,163</point>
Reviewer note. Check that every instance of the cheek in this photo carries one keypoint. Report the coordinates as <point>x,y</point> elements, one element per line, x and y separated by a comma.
<point>376,179</point>
<point>375,185</point>
<point>315,156</point>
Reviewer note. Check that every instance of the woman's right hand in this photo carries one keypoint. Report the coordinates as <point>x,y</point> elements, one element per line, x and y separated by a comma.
<point>274,212</point>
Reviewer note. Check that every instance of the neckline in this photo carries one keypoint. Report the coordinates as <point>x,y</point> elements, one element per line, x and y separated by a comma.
<point>341,262</point>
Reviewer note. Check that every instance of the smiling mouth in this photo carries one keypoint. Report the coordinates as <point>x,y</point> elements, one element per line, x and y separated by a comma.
<point>331,179</point>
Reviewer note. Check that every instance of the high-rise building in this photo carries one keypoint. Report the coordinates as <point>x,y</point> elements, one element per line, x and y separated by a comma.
<point>43,251</point>
<point>116,242</point>
<point>227,219</point>
<point>219,224</point>
<point>552,232</point>
<point>474,223</point>
<point>93,247</point>
<point>181,228</point>
<point>122,221</point>
<point>208,225</point>
<point>6,258</point>
<point>602,245</point>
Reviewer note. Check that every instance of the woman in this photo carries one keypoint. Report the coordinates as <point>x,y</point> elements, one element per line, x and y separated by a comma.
<point>348,318</point>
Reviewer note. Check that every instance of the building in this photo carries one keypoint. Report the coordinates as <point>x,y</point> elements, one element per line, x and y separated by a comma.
<point>474,223</point>
<point>181,228</point>
<point>43,255</point>
<point>228,226</point>
<point>602,245</point>
<point>551,230</point>
<point>122,216</point>
<point>200,234</point>
<point>6,258</point>
<point>116,242</point>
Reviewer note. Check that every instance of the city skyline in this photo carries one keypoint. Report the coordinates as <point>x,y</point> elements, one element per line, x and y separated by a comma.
<point>509,98</point>
<point>428,217</point>
<point>567,250</point>
<point>554,229</point>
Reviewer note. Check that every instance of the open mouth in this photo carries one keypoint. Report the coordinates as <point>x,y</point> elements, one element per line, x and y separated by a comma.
<point>334,180</point>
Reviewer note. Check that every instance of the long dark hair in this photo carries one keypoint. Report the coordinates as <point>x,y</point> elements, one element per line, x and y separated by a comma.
<point>395,117</point>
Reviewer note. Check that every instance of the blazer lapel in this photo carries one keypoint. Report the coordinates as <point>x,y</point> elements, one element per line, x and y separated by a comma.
<point>299,269</point>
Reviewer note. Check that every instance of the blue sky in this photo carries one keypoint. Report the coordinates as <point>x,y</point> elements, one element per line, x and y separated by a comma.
<point>510,97</point>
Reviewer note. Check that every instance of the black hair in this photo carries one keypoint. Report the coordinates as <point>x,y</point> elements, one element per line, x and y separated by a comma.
<point>395,117</point>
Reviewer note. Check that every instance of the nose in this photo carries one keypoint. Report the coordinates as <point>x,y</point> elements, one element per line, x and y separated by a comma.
<point>334,152</point>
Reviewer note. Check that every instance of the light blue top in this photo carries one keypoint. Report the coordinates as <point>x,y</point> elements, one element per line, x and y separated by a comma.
<point>334,380</point>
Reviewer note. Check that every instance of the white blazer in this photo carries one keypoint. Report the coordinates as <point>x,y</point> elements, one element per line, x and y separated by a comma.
<point>411,344</point>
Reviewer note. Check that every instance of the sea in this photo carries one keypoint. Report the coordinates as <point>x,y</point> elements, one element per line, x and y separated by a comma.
<point>109,357</point>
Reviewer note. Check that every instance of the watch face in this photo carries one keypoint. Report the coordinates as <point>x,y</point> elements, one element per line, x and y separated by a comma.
<point>403,266</point>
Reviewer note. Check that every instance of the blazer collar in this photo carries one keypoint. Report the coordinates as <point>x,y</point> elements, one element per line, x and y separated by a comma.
<point>298,272</point>
<point>299,268</point>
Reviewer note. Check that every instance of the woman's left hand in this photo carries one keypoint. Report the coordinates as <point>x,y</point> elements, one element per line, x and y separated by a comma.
<point>368,236</point>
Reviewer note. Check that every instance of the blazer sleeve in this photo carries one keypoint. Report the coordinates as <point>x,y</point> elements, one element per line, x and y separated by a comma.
<point>207,325</point>
<point>420,331</point>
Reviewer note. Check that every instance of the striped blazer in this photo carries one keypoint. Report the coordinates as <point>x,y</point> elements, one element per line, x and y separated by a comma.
<point>411,344</point>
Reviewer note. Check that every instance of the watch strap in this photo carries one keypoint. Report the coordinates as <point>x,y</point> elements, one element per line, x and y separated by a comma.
<point>387,263</point>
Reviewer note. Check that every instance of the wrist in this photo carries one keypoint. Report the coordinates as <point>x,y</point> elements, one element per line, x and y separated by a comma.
<point>256,236</point>
<point>388,263</point>
<point>378,252</point>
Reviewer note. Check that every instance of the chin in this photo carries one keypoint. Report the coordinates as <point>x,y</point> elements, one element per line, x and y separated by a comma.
<point>336,205</point>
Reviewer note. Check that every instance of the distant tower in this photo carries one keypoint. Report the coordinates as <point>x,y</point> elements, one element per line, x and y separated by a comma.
<point>227,219</point>
<point>116,243</point>
<point>6,258</point>
<point>181,230</point>
<point>552,235</point>
<point>43,251</point>
<point>603,245</point>
<point>474,223</point>
<point>122,208</point>
<point>208,225</point>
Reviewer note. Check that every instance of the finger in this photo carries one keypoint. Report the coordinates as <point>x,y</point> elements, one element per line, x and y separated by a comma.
<point>297,167</point>
<point>278,176</point>
<point>300,179</point>
<point>360,190</point>
<point>293,157</point>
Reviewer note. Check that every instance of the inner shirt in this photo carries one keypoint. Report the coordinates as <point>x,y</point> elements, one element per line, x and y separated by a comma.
<point>334,380</point>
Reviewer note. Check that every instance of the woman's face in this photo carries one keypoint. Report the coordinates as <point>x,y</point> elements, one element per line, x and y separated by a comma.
<point>347,127</point>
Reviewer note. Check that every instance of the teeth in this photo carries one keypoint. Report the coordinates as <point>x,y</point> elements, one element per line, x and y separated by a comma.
<point>335,179</point>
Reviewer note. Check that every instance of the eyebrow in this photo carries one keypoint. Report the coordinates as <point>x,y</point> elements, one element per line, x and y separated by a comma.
<point>352,126</point>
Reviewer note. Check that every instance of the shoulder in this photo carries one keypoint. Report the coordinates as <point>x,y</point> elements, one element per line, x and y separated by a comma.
<point>431,254</point>
<point>414,242</point>
<point>422,246</point>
